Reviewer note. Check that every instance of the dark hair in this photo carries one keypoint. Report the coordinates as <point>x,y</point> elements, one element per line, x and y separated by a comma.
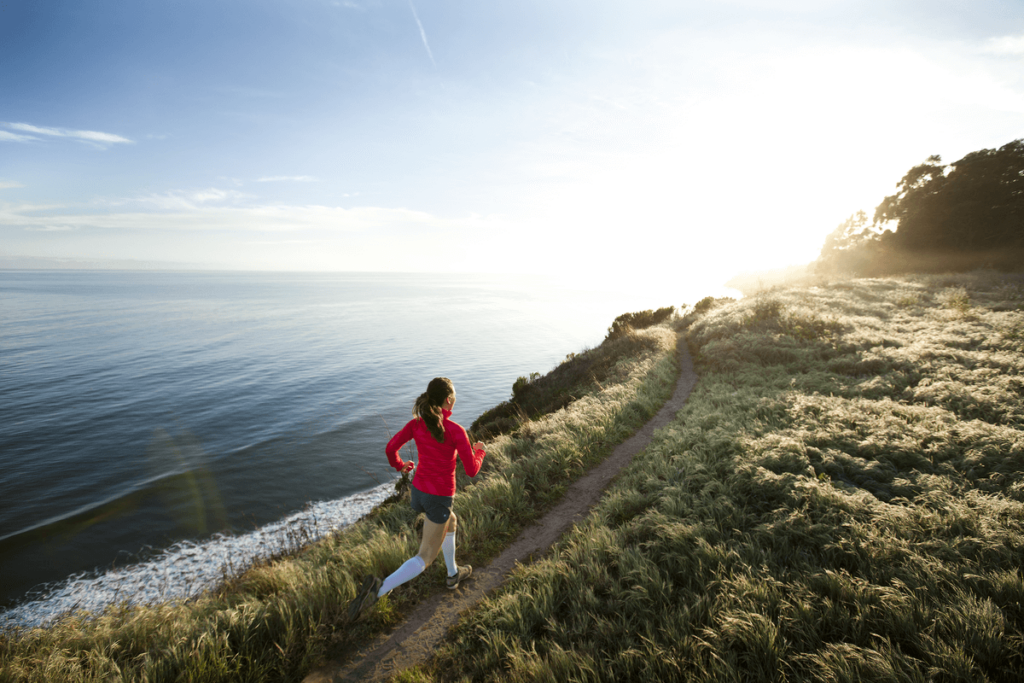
<point>428,405</point>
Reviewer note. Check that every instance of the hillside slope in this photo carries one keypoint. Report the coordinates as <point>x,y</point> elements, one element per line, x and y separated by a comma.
<point>842,499</point>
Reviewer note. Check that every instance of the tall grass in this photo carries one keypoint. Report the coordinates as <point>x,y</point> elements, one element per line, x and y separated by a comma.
<point>578,375</point>
<point>279,619</point>
<point>841,499</point>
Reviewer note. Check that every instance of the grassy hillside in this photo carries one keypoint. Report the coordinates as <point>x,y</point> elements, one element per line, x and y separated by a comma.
<point>842,499</point>
<point>279,619</point>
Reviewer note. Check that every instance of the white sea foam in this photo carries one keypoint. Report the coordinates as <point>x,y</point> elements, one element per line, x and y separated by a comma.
<point>187,569</point>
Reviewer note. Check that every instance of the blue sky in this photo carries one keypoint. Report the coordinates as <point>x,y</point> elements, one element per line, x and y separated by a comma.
<point>574,137</point>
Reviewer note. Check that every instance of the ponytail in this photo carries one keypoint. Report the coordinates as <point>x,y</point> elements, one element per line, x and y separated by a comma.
<point>428,405</point>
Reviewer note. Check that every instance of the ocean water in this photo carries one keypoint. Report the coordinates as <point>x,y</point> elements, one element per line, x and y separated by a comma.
<point>158,430</point>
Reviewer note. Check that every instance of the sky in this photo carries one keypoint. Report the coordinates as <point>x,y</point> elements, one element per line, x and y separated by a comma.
<point>582,138</point>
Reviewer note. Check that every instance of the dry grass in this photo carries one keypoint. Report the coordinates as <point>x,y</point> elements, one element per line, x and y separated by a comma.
<point>842,499</point>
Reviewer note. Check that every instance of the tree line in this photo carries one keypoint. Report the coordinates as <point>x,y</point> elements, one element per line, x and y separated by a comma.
<point>958,216</point>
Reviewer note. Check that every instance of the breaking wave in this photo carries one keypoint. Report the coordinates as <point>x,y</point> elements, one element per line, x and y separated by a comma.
<point>187,568</point>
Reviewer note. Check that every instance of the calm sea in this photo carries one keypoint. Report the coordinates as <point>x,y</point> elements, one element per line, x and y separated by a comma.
<point>150,419</point>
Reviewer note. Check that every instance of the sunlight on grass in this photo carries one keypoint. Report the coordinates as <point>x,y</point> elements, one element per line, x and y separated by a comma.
<point>842,498</point>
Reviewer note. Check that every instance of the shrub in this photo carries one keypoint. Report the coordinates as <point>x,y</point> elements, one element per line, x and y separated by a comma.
<point>521,382</point>
<point>638,321</point>
<point>704,305</point>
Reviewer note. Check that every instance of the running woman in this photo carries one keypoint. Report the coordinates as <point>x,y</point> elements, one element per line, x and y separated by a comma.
<point>437,439</point>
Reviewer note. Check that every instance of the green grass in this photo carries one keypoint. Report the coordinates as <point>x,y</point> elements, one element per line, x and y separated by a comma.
<point>841,499</point>
<point>278,620</point>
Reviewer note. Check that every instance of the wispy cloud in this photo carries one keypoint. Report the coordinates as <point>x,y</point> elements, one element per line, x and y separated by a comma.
<point>93,136</point>
<point>1005,45</point>
<point>423,34</point>
<point>14,137</point>
<point>8,184</point>
<point>216,195</point>
<point>287,178</point>
<point>182,200</point>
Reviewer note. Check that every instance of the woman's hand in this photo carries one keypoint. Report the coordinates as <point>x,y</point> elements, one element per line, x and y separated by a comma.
<point>478,446</point>
<point>408,467</point>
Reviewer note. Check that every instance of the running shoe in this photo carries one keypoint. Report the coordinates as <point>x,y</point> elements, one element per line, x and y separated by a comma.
<point>365,599</point>
<point>461,575</point>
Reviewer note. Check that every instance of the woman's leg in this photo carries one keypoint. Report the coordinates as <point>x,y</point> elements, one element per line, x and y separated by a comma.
<point>433,537</point>
<point>448,546</point>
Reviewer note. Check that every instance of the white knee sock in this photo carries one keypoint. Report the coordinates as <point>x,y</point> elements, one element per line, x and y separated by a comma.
<point>409,570</point>
<point>448,548</point>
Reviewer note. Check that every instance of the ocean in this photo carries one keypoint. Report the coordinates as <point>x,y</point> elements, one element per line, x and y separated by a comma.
<point>159,430</point>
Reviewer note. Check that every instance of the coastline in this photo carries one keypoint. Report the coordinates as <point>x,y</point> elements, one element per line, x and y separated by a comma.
<point>187,569</point>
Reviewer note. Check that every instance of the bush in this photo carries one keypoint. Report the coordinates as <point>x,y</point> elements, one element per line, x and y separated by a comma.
<point>638,321</point>
<point>520,384</point>
<point>704,305</point>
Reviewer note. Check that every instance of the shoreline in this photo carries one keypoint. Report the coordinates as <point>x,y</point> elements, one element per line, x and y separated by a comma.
<point>187,569</point>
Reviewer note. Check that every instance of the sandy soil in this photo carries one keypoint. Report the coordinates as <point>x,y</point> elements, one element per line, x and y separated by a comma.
<point>415,641</point>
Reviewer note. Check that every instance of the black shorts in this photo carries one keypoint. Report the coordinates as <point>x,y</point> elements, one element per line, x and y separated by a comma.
<point>437,508</point>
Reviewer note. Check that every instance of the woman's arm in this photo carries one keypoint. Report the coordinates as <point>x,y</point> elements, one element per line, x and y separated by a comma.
<point>397,441</point>
<point>472,456</point>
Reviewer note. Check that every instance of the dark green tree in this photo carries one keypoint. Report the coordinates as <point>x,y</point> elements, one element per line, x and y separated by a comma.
<point>917,202</point>
<point>946,217</point>
<point>976,204</point>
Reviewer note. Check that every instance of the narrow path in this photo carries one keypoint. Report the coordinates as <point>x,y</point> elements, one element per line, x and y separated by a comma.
<point>416,640</point>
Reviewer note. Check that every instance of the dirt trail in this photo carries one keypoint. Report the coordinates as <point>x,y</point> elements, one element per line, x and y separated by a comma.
<point>416,640</point>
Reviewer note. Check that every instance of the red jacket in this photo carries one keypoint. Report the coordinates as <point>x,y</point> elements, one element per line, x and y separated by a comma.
<point>435,473</point>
